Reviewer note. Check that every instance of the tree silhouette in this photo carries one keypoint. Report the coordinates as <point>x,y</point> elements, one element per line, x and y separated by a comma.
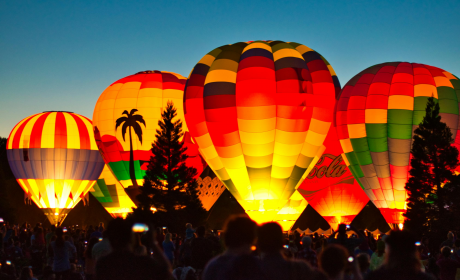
<point>433,161</point>
<point>169,184</point>
<point>131,121</point>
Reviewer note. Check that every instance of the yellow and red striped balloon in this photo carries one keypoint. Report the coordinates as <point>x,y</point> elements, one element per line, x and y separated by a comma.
<point>55,159</point>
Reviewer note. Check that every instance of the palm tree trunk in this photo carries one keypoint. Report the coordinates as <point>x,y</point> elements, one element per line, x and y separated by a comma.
<point>131,161</point>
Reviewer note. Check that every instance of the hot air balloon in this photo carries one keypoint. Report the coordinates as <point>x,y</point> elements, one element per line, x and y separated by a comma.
<point>329,187</point>
<point>55,159</point>
<point>376,114</point>
<point>259,112</point>
<point>126,118</point>
<point>111,194</point>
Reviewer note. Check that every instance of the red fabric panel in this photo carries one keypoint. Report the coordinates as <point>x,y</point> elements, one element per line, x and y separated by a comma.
<point>37,130</point>
<point>60,134</point>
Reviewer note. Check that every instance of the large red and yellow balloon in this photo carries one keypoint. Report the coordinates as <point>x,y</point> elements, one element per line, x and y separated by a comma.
<point>376,114</point>
<point>55,159</point>
<point>329,187</point>
<point>259,112</point>
<point>147,92</point>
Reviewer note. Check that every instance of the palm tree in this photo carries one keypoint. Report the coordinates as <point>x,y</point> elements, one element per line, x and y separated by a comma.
<point>131,121</point>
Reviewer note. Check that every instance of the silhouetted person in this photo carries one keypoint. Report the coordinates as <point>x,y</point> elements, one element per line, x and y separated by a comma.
<point>101,248</point>
<point>344,240</point>
<point>401,262</point>
<point>447,266</point>
<point>201,249</point>
<point>274,265</point>
<point>449,241</point>
<point>90,261</point>
<point>333,261</point>
<point>236,262</point>
<point>307,253</point>
<point>61,256</point>
<point>123,264</point>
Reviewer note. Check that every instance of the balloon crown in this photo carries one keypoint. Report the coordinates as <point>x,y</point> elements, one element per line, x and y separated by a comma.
<point>58,112</point>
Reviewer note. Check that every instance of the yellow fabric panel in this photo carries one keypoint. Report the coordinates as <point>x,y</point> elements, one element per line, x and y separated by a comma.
<point>149,92</point>
<point>13,132</point>
<point>287,149</point>
<point>224,64</point>
<point>174,95</point>
<point>256,113</point>
<point>128,92</point>
<point>403,102</point>
<point>315,138</point>
<point>240,178</point>
<point>204,140</point>
<point>425,90</point>
<point>257,138</point>
<point>48,131</point>
<point>282,53</point>
<point>258,161</point>
<point>281,172</point>
<point>65,192</point>
<point>209,152</point>
<point>50,199</point>
<point>233,162</point>
<point>357,130</point>
<point>347,163</point>
<point>303,49</point>
<point>257,45</point>
<point>258,149</point>
<point>207,60</point>
<point>25,135</point>
<point>442,82</point>
<point>319,127</point>
<point>257,125</point>
<point>376,115</point>
<point>284,161</point>
<point>288,137</point>
<point>73,135</point>
<point>346,145</point>
<point>220,76</point>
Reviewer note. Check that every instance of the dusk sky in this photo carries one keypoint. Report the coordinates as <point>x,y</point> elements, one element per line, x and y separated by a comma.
<point>61,55</point>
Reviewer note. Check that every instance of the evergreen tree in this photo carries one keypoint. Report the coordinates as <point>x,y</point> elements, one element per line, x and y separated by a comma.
<point>432,164</point>
<point>169,185</point>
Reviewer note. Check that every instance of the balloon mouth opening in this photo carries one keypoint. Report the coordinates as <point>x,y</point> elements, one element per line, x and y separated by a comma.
<point>58,112</point>
<point>148,72</point>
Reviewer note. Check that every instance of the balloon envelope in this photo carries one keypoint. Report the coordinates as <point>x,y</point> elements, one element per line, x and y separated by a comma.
<point>259,112</point>
<point>376,114</point>
<point>111,194</point>
<point>147,92</point>
<point>55,159</point>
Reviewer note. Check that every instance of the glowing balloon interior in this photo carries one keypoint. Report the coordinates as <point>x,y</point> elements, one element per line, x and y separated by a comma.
<point>55,159</point>
<point>143,96</point>
<point>377,112</point>
<point>259,112</point>
<point>111,194</point>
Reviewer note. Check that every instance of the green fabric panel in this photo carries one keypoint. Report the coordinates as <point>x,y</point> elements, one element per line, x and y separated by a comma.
<point>364,158</point>
<point>400,131</point>
<point>356,171</point>
<point>457,92</point>
<point>448,106</point>
<point>352,158</point>
<point>418,117</point>
<point>280,46</point>
<point>359,144</point>
<point>376,130</point>
<point>455,83</point>
<point>378,144</point>
<point>355,174</point>
<point>138,173</point>
<point>398,116</point>
<point>420,103</point>
<point>446,93</point>
<point>97,190</point>
<point>119,170</point>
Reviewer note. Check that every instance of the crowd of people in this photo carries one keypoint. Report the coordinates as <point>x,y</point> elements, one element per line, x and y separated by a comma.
<point>243,250</point>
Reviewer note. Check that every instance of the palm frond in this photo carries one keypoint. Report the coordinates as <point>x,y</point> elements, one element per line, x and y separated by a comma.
<point>132,112</point>
<point>125,112</point>
<point>123,129</point>
<point>138,130</point>
<point>120,121</point>
<point>140,118</point>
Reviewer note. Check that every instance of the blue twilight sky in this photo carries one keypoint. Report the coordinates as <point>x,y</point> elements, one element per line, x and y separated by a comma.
<point>60,55</point>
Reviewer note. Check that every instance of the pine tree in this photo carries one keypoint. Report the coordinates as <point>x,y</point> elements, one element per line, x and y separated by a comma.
<point>432,164</point>
<point>169,185</point>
